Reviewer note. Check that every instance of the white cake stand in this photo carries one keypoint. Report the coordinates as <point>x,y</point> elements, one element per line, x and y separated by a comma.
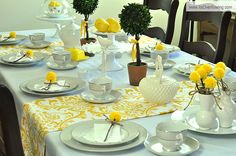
<point>111,63</point>
<point>58,21</point>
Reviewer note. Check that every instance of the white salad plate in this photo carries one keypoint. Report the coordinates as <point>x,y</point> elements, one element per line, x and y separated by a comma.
<point>30,45</point>
<point>89,97</point>
<point>11,57</point>
<point>66,138</point>
<point>81,85</point>
<point>84,133</point>
<point>16,40</point>
<point>189,146</point>
<point>65,84</point>
<point>190,120</point>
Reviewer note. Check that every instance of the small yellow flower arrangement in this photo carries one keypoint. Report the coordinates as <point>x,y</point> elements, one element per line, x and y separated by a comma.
<point>51,77</point>
<point>12,34</point>
<point>114,118</point>
<point>207,79</point>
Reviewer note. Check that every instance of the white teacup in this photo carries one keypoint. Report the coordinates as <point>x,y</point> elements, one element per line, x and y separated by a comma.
<point>164,54</point>
<point>61,58</point>
<point>170,133</point>
<point>100,90</point>
<point>37,38</point>
<point>171,145</point>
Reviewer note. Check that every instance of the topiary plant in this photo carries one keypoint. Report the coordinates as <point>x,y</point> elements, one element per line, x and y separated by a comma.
<point>85,7</point>
<point>135,19</point>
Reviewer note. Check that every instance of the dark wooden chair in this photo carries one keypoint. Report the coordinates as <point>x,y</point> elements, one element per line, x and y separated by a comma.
<point>170,6</point>
<point>201,48</point>
<point>232,55</point>
<point>9,123</point>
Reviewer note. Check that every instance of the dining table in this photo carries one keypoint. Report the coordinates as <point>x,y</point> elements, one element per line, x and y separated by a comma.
<point>12,77</point>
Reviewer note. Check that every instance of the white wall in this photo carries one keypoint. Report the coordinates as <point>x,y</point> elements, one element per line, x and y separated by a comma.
<point>20,14</point>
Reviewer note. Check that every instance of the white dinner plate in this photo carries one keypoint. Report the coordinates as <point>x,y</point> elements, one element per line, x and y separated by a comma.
<point>189,117</point>
<point>67,139</point>
<point>189,146</point>
<point>11,57</point>
<point>36,85</point>
<point>17,40</point>
<point>84,133</point>
<point>45,44</point>
<point>184,69</point>
<point>81,85</point>
<point>88,96</point>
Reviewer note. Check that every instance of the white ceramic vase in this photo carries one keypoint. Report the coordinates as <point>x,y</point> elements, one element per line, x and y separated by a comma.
<point>70,35</point>
<point>226,114</point>
<point>206,116</point>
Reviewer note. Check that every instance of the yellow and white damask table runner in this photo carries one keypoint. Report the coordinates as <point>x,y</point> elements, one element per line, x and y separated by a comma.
<point>43,116</point>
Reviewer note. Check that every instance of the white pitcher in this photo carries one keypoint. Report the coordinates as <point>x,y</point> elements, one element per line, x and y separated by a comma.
<point>70,35</point>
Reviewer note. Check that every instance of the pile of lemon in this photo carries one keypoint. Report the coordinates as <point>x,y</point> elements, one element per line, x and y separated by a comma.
<point>110,25</point>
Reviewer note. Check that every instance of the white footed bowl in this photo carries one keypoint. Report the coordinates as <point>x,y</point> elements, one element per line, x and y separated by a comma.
<point>162,93</point>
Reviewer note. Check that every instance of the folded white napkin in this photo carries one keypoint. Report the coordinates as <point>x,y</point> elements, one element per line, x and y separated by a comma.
<point>100,131</point>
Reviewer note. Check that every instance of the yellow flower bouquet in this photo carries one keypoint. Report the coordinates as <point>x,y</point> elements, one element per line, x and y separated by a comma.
<point>207,79</point>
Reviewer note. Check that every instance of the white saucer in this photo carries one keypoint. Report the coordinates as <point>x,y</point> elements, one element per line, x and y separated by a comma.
<point>169,64</point>
<point>189,145</point>
<point>30,45</point>
<point>88,96</point>
<point>53,65</point>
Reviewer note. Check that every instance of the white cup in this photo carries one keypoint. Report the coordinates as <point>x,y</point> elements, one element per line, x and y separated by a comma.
<point>170,134</point>
<point>37,38</point>
<point>61,58</point>
<point>100,90</point>
<point>164,55</point>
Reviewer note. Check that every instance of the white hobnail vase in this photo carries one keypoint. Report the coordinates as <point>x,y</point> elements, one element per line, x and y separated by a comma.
<point>206,116</point>
<point>226,114</point>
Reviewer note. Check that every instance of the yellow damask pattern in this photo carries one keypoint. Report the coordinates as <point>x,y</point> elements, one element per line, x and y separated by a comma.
<point>43,116</point>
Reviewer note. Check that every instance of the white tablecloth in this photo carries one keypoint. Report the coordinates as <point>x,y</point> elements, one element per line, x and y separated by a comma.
<point>13,77</point>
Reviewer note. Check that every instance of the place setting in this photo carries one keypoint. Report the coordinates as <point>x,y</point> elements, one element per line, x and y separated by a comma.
<point>52,85</point>
<point>37,41</point>
<point>22,58</point>
<point>104,135</point>
<point>161,50</point>
<point>11,38</point>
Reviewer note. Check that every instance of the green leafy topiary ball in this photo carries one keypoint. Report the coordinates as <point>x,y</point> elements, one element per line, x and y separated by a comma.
<point>135,18</point>
<point>85,7</point>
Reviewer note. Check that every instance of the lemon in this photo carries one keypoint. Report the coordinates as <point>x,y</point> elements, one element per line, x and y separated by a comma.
<point>114,25</point>
<point>102,25</point>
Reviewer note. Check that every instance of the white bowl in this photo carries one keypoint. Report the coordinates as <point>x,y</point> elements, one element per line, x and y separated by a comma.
<point>154,92</point>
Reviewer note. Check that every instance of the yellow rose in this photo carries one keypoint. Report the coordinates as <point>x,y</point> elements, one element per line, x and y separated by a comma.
<point>159,46</point>
<point>219,73</point>
<point>12,34</point>
<point>210,82</point>
<point>220,65</point>
<point>207,67</point>
<point>195,77</point>
<point>115,116</point>
<point>51,77</point>
<point>202,72</point>
<point>29,53</point>
<point>197,66</point>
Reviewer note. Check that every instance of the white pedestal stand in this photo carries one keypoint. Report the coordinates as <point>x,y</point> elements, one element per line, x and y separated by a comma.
<point>111,63</point>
